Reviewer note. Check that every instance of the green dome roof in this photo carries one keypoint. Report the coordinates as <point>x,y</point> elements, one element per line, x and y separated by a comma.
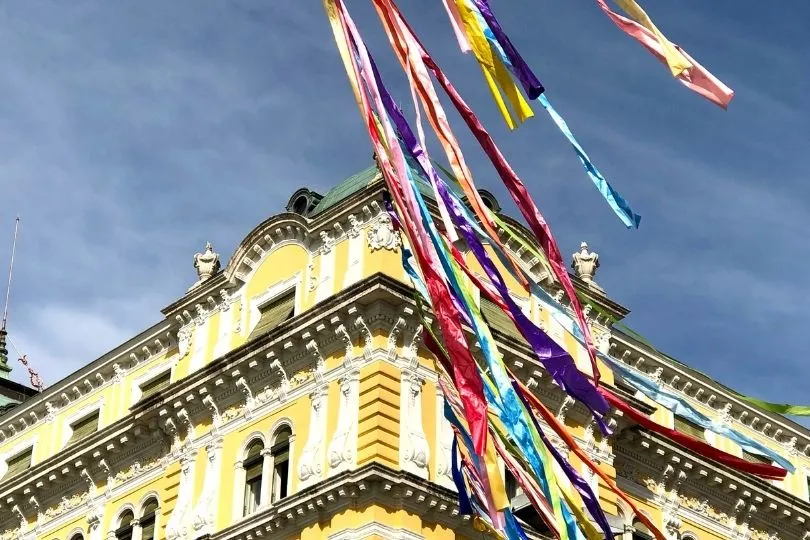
<point>361,180</point>
<point>348,187</point>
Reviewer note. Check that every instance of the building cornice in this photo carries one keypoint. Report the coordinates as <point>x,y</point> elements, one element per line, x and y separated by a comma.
<point>775,509</point>
<point>370,484</point>
<point>42,407</point>
<point>790,436</point>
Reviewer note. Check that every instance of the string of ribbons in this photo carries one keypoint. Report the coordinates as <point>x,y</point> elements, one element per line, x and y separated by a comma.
<point>495,417</point>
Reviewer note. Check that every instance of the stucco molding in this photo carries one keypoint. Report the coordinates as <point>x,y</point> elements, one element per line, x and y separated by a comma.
<point>370,484</point>
<point>375,530</point>
<point>702,391</point>
<point>644,459</point>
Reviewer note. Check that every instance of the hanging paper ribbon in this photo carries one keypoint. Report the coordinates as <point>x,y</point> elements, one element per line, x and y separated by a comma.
<point>495,73</point>
<point>696,78</point>
<point>700,447</point>
<point>779,408</point>
<point>399,32</point>
<point>503,47</point>
<point>446,312</point>
<point>675,60</point>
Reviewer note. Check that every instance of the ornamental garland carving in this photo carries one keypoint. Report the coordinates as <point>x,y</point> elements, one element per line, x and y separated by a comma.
<point>136,469</point>
<point>65,505</point>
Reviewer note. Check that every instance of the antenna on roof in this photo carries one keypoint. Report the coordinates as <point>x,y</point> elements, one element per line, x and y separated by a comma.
<point>10,271</point>
<point>36,380</point>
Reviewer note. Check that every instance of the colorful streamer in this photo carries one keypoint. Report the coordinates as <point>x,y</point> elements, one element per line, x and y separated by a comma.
<point>400,33</point>
<point>492,415</point>
<point>696,78</point>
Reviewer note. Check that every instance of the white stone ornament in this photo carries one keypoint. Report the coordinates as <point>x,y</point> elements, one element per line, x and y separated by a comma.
<point>309,469</point>
<point>414,449</point>
<point>206,264</point>
<point>585,264</point>
<point>381,234</point>
<point>342,448</point>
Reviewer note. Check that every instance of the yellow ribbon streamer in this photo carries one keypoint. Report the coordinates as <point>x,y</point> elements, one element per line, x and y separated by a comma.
<point>676,61</point>
<point>495,73</point>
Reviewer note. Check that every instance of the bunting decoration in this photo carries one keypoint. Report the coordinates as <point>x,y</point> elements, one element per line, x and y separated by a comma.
<point>494,416</point>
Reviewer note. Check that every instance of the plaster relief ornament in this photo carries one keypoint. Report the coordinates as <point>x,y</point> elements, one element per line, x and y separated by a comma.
<point>381,234</point>
<point>309,468</point>
<point>184,340</point>
<point>206,264</point>
<point>585,264</point>
<point>416,451</point>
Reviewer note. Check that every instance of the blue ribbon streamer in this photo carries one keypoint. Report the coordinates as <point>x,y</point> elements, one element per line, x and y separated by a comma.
<point>617,203</point>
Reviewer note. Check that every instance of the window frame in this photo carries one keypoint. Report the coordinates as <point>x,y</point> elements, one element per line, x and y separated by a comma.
<point>147,518</point>
<point>251,316</point>
<point>129,528</point>
<point>19,451</point>
<point>80,418</point>
<point>252,487</point>
<point>281,490</point>
<point>691,426</point>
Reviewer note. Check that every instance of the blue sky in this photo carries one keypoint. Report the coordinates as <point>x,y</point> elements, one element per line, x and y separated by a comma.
<point>134,132</point>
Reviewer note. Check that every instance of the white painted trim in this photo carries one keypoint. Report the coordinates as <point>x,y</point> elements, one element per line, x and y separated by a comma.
<point>149,495</point>
<point>74,532</point>
<point>326,279</point>
<point>375,529</point>
<point>243,448</point>
<point>152,373</point>
<point>222,344</point>
<point>271,293</point>
<point>267,253</point>
<point>200,345</point>
<point>116,516</point>
<point>355,258</point>
<point>87,410</point>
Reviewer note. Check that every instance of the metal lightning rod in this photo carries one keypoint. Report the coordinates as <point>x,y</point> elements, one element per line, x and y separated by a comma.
<point>10,271</point>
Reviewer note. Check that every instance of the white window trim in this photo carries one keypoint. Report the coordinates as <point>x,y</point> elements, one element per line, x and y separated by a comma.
<point>87,410</point>
<point>150,374</point>
<point>270,294</point>
<point>16,450</point>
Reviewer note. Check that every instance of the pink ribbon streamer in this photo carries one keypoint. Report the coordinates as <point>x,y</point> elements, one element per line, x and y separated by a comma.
<point>697,78</point>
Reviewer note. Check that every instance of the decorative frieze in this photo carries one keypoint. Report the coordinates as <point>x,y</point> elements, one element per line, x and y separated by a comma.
<point>381,233</point>
<point>413,450</point>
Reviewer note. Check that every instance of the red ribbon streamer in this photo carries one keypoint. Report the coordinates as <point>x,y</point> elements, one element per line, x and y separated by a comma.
<point>757,469</point>
<point>513,183</point>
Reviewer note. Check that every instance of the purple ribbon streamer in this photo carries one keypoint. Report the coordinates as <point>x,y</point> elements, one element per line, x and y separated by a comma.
<point>524,73</point>
<point>554,358</point>
<point>588,496</point>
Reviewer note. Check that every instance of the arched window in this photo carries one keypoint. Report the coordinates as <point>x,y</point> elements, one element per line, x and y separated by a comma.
<point>253,464</point>
<point>641,532</point>
<point>77,536</point>
<point>280,452</point>
<point>125,525</point>
<point>147,520</point>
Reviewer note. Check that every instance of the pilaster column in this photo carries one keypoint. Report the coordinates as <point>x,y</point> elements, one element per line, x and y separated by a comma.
<point>267,477</point>
<point>137,531</point>
<point>238,490</point>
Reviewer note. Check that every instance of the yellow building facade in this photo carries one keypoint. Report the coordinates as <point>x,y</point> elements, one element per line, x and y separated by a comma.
<point>287,395</point>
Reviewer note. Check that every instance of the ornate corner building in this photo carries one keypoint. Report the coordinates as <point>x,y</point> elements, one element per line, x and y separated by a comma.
<point>287,395</point>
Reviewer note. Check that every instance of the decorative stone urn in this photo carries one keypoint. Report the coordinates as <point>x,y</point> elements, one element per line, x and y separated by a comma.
<point>206,264</point>
<point>585,263</point>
